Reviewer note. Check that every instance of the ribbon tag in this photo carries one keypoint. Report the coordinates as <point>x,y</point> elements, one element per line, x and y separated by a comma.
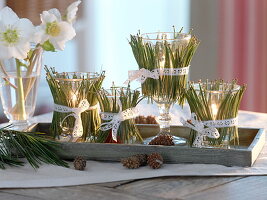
<point>142,74</point>
<point>222,123</point>
<point>76,113</point>
<point>202,132</point>
<point>174,71</point>
<point>116,119</point>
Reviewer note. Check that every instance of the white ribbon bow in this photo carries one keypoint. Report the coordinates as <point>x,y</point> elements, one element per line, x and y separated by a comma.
<point>198,126</point>
<point>76,113</point>
<point>142,74</point>
<point>116,119</point>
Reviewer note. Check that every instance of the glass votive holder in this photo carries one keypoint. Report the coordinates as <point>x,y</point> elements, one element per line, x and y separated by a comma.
<point>216,105</point>
<point>76,116</point>
<point>166,48</point>
<point>118,113</point>
<point>164,61</point>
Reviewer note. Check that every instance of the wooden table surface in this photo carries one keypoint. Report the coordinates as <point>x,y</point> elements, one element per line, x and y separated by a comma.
<point>233,188</point>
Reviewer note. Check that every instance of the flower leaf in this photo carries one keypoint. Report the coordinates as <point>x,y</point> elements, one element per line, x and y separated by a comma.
<point>48,46</point>
<point>21,64</point>
<point>29,54</point>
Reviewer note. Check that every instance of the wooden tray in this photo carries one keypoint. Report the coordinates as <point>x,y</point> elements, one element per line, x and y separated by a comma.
<point>251,143</point>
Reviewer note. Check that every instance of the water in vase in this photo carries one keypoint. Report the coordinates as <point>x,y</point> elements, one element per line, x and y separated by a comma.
<point>19,102</point>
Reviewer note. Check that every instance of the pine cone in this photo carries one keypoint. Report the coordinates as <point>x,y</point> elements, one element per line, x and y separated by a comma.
<point>137,120</point>
<point>79,163</point>
<point>155,160</point>
<point>131,162</point>
<point>151,120</point>
<point>163,139</point>
<point>145,120</point>
<point>140,120</point>
<point>142,159</point>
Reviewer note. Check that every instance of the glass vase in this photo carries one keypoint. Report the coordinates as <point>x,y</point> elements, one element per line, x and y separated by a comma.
<point>19,82</point>
<point>216,104</point>
<point>163,53</point>
<point>70,89</point>
<point>114,102</point>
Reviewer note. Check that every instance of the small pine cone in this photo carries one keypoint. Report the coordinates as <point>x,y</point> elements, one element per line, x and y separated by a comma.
<point>137,120</point>
<point>79,163</point>
<point>151,120</point>
<point>142,159</point>
<point>143,120</point>
<point>155,160</point>
<point>131,162</point>
<point>154,121</point>
<point>163,139</point>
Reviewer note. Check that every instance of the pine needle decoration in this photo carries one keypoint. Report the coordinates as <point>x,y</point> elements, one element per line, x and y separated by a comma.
<point>164,54</point>
<point>109,102</point>
<point>200,98</point>
<point>35,148</point>
<point>69,89</point>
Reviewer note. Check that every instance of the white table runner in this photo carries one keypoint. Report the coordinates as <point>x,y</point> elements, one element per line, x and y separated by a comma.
<point>99,172</point>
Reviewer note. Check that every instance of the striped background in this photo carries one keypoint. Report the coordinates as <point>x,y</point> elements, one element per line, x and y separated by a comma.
<point>243,48</point>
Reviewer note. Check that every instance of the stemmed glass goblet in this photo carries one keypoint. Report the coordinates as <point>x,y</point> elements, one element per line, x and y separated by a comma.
<point>165,57</point>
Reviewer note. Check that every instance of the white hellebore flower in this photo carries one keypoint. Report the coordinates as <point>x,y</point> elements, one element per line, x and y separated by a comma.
<point>15,35</point>
<point>55,30</point>
<point>71,11</point>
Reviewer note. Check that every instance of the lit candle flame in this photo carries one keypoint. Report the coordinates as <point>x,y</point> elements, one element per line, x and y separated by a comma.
<point>214,109</point>
<point>162,62</point>
<point>73,97</point>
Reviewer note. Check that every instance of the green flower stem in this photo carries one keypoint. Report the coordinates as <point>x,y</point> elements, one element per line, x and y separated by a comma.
<point>35,59</point>
<point>21,99</point>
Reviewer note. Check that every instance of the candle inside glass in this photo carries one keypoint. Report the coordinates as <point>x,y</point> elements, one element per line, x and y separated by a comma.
<point>73,98</point>
<point>71,88</point>
<point>176,41</point>
<point>165,91</point>
<point>221,103</point>
<point>214,110</point>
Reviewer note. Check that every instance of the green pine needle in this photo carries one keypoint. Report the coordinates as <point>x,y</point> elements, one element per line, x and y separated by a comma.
<point>34,147</point>
<point>87,88</point>
<point>199,101</point>
<point>148,56</point>
<point>129,99</point>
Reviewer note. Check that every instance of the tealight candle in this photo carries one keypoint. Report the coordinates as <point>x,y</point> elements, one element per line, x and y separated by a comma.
<point>176,41</point>
<point>214,110</point>
<point>73,97</point>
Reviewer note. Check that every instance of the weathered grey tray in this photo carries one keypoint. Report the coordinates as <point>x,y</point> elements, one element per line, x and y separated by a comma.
<point>251,142</point>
